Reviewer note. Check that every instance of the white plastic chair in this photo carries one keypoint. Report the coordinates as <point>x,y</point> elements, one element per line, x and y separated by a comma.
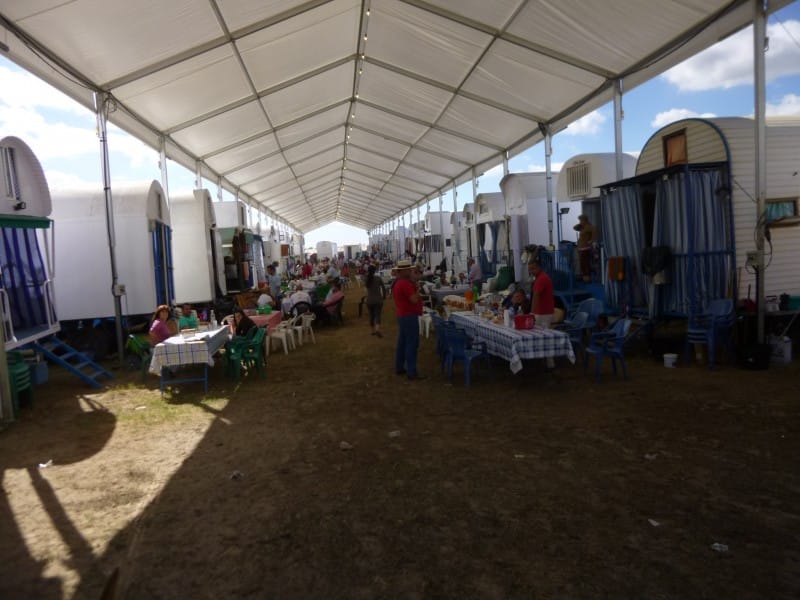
<point>284,334</point>
<point>425,321</point>
<point>296,324</point>
<point>308,330</point>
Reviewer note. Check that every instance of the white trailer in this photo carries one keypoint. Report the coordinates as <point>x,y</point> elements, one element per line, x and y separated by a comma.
<point>525,196</point>
<point>326,250</point>
<point>240,249</point>
<point>142,249</point>
<point>198,267</point>
<point>26,285</point>
<point>694,193</point>
<point>732,140</point>
<point>491,232</point>
<point>438,235</point>
<point>579,181</point>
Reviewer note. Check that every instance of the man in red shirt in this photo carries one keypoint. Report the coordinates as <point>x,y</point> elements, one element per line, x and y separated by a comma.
<point>408,306</point>
<point>543,301</point>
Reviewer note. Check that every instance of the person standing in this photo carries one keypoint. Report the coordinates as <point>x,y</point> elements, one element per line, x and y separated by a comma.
<point>408,306</point>
<point>543,300</point>
<point>376,292</point>
<point>475,275</point>
<point>587,236</point>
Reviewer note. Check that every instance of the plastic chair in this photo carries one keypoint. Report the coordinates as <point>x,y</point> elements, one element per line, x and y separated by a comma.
<point>283,333</point>
<point>576,329</point>
<point>247,351</point>
<point>425,322</point>
<point>141,349</point>
<point>458,349</point>
<point>716,324</point>
<point>19,375</point>
<point>593,309</point>
<point>337,316</point>
<point>608,343</point>
<point>308,329</point>
<point>300,308</point>
<point>296,323</point>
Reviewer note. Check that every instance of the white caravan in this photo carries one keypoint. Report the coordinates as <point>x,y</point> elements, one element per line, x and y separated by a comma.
<point>579,182</point>
<point>142,249</point>
<point>198,267</point>
<point>438,240</point>
<point>26,285</point>
<point>491,231</point>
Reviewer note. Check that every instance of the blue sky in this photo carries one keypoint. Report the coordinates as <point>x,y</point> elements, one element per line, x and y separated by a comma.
<point>717,82</point>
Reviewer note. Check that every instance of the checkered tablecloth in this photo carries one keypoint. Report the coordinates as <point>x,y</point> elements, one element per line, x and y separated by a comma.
<point>514,345</point>
<point>196,349</point>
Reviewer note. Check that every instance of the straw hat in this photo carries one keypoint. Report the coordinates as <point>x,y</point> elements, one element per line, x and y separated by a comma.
<point>404,264</point>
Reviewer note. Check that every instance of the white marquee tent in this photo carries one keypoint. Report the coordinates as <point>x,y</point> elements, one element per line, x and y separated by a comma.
<point>353,110</point>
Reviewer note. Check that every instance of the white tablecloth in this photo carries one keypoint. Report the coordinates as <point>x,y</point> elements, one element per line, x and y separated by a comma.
<point>196,349</point>
<point>514,345</point>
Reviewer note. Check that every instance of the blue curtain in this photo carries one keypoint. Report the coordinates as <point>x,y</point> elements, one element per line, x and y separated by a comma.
<point>693,218</point>
<point>23,277</point>
<point>623,235</point>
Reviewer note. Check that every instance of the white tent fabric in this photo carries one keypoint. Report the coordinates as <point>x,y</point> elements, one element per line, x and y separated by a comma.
<point>354,110</point>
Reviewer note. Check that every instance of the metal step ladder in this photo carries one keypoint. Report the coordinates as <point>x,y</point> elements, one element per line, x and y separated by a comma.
<point>76,362</point>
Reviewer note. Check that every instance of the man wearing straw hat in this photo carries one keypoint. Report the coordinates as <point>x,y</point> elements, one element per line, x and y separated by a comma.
<point>408,306</point>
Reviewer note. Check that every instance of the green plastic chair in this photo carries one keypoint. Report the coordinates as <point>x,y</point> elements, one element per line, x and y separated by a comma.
<point>19,375</point>
<point>140,348</point>
<point>247,351</point>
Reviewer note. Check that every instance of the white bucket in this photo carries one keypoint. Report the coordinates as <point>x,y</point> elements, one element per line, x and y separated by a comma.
<point>670,360</point>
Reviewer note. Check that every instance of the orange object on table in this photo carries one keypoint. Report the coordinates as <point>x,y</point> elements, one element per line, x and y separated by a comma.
<point>469,296</point>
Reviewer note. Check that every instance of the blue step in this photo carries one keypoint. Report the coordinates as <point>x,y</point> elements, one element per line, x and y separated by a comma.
<point>85,369</point>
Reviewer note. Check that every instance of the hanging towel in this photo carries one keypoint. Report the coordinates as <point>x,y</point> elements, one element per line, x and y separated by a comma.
<point>616,268</point>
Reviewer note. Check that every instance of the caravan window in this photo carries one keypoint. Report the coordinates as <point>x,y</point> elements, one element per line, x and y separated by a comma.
<point>675,152</point>
<point>782,211</point>
<point>9,173</point>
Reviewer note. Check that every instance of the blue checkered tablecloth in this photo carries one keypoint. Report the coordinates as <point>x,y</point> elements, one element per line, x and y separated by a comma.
<point>196,349</point>
<point>514,345</point>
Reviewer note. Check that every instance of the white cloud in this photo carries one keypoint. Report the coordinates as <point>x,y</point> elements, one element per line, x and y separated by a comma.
<point>730,62</point>
<point>587,125</point>
<point>23,90</point>
<point>28,110</point>
<point>676,114</point>
<point>789,105</point>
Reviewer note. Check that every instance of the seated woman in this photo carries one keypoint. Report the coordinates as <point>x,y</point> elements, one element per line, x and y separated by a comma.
<point>242,323</point>
<point>159,330</point>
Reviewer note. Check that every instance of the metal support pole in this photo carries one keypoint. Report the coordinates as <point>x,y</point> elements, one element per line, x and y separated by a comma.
<point>101,104</point>
<point>548,152</point>
<point>198,176</point>
<point>759,49</point>
<point>441,224</point>
<point>162,163</point>
<point>618,116</point>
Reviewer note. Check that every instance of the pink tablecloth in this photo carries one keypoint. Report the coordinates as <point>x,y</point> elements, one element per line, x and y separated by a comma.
<point>272,319</point>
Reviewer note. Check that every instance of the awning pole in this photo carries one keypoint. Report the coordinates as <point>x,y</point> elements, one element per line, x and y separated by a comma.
<point>618,116</point>
<point>759,49</point>
<point>548,152</point>
<point>101,102</point>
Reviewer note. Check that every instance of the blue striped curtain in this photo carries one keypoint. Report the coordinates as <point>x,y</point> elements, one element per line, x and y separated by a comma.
<point>693,219</point>
<point>623,235</point>
<point>23,277</point>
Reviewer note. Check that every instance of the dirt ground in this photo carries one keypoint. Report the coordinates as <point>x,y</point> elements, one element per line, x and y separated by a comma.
<point>335,478</point>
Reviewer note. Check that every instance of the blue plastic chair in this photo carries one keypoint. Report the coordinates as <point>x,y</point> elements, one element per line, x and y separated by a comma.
<point>593,309</point>
<point>459,349</point>
<point>716,324</point>
<point>576,327</point>
<point>609,343</point>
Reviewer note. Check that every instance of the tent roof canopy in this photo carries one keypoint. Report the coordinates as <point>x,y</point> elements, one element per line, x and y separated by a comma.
<point>354,110</point>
